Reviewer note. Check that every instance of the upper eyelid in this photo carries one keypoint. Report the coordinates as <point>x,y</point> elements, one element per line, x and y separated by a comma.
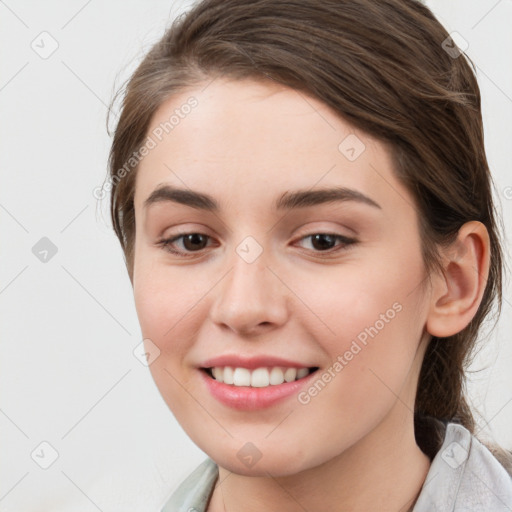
<point>179,235</point>
<point>310,231</point>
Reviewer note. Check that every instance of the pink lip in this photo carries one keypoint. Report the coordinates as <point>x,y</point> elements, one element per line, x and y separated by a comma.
<point>251,362</point>
<point>247,398</point>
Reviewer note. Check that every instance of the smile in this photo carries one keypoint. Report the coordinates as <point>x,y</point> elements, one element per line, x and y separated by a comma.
<point>258,377</point>
<point>257,388</point>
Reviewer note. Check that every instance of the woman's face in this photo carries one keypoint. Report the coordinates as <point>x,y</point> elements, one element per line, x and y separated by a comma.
<point>276,277</point>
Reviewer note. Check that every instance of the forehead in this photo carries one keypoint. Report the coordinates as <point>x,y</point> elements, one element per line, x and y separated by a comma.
<point>256,139</point>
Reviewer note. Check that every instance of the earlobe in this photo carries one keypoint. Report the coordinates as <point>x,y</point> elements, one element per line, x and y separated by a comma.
<point>456,295</point>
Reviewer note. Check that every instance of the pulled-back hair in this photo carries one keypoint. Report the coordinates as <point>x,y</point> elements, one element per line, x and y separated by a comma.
<point>387,67</point>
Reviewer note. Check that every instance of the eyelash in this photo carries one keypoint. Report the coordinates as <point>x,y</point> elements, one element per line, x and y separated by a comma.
<point>167,243</point>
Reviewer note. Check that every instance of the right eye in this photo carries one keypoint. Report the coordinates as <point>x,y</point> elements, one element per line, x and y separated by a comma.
<point>191,243</point>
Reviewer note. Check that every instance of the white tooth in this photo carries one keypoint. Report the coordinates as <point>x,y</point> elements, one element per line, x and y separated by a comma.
<point>302,373</point>
<point>228,375</point>
<point>218,373</point>
<point>260,378</point>
<point>276,376</point>
<point>290,374</point>
<point>241,377</point>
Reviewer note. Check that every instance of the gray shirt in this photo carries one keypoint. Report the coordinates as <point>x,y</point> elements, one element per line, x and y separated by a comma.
<point>464,477</point>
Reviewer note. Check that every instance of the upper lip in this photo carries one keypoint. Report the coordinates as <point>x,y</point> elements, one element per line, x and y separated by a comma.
<point>251,362</point>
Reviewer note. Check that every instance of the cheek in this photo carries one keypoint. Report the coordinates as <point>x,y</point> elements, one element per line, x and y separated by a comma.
<point>164,306</point>
<point>371,351</point>
<point>170,305</point>
<point>162,301</point>
<point>346,301</point>
<point>368,318</point>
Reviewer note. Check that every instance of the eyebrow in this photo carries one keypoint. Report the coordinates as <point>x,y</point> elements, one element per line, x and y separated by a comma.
<point>287,201</point>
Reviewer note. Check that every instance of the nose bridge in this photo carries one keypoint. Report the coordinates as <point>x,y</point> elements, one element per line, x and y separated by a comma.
<point>250,294</point>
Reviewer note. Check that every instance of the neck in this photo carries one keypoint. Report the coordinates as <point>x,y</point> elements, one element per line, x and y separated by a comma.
<point>385,470</point>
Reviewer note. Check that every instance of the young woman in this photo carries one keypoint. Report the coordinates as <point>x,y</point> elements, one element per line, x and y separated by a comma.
<point>302,195</point>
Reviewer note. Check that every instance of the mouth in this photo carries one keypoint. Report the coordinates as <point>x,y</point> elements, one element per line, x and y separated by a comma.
<point>262,377</point>
<point>257,388</point>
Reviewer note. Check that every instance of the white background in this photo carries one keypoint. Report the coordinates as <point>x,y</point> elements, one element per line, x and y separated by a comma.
<point>68,375</point>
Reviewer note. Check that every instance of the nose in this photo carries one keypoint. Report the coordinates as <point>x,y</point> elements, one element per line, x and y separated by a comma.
<point>251,298</point>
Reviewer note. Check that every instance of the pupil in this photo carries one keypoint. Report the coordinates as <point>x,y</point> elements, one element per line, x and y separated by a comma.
<point>323,245</point>
<point>194,238</point>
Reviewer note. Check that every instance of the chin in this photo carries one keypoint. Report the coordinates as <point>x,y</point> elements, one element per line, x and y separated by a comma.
<point>249,461</point>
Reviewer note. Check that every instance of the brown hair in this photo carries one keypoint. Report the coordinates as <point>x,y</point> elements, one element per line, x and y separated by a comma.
<point>389,68</point>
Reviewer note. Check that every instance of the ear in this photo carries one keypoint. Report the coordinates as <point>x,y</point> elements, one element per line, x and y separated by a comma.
<point>456,295</point>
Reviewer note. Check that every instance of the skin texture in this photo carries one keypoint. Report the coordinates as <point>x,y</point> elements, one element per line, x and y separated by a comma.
<point>352,446</point>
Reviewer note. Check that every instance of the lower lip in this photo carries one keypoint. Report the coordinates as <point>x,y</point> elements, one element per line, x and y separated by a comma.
<point>247,398</point>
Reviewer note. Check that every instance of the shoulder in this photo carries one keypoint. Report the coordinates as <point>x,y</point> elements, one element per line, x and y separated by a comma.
<point>194,492</point>
<point>465,476</point>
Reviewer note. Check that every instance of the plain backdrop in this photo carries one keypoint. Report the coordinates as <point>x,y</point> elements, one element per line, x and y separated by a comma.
<point>74,397</point>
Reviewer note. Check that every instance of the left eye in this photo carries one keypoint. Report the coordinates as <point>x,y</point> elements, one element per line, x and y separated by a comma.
<point>324,242</point>
<point>195,242</point>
